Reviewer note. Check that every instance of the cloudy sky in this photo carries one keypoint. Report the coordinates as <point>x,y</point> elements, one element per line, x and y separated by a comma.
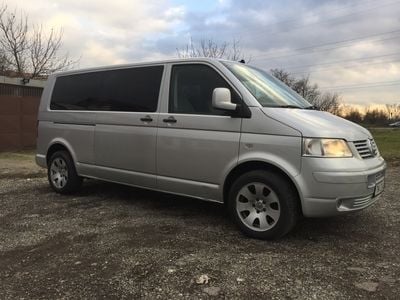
<point>348,46</point>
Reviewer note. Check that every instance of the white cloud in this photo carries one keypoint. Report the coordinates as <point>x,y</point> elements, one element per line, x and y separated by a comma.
<point>117,31</point>
<point>102,31</point>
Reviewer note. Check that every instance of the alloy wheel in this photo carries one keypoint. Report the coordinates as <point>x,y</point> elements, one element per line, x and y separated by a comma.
<point>258,206</point>
<point>59,173</point>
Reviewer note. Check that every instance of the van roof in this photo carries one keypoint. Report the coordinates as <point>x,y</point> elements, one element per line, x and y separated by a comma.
<point>144,63</point>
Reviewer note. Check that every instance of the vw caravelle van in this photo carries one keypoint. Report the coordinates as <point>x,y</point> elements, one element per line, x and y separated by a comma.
<point>210,129</point>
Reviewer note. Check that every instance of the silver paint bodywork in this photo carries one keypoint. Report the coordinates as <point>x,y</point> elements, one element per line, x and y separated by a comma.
<point>195,155</point>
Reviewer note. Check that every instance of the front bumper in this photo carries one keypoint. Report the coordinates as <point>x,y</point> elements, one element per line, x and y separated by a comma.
<point>333,187</point>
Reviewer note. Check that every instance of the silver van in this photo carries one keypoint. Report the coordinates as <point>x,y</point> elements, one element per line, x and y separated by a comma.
<point>210,129</point>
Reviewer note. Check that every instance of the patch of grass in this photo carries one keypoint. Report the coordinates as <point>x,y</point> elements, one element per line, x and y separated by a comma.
<point>388,141</point>
<point>18,155</point>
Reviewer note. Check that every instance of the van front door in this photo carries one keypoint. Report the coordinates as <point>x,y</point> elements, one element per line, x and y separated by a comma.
<point>195,142</point>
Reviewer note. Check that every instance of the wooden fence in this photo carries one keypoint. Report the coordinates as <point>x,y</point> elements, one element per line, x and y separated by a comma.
<point>18,116</point>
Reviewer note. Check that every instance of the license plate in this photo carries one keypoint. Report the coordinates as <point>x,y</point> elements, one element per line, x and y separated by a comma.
<point>379,187</point>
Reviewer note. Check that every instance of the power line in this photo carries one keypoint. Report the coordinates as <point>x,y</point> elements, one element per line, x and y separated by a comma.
<point>291,20</point>
<point>324,50</point>
<point>338,61</point>
<point>362,86</point>
<point>326,20</point>
<point>334,42</point>
<point>321,50</point>
<point>346,66</point>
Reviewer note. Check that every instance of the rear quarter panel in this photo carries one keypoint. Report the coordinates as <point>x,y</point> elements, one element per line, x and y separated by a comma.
<point>73,129</point>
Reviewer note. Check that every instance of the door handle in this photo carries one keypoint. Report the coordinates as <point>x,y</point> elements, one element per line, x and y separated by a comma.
<point>146,119</point>
<point>170,120</point>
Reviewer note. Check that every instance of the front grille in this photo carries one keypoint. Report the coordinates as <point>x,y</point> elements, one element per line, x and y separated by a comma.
<point>366,148</point>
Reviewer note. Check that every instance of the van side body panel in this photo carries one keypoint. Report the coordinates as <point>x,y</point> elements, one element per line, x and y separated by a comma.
<point>190,159</point>
<point>123,144</point>
<point>72,129</point>
<point>193,152</point>
<point>268,140</point>
<point>77,138</point>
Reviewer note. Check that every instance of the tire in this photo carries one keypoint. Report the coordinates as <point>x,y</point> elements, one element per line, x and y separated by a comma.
<point>263,204</point>
<point>61,173</point>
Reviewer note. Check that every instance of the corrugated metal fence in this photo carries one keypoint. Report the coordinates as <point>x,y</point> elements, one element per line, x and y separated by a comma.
<point>18,116</point>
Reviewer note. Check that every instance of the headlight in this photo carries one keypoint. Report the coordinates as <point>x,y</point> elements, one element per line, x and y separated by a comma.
<point>326,148</point>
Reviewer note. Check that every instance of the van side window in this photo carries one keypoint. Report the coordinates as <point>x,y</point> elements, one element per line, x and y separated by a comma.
<point>191,89</point>
<point>134,89</point>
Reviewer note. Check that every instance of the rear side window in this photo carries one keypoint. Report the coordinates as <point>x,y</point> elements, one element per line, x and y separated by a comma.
<point>191,90</point>
<point>135,89</point>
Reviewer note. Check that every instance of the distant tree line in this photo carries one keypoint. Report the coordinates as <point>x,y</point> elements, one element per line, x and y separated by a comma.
<point>373,116</point>
<point>330,102</point>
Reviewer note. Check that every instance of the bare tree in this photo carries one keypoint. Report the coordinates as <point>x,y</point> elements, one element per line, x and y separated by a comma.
<point>354,115</point>
<point>307,90</point>
<point>375,117</point>
<point>397,111</point>
<point>3,62</point>
<point>211,48</point>
<point>393,111</point>
<point>284,76</point>
<point>328,102</point>
<point>14,39</point>
<point>323,101</point>
<point>26,49</point>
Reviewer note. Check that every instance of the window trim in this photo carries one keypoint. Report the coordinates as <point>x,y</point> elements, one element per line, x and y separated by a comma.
<point>212,66</point>
<point>159,99</point>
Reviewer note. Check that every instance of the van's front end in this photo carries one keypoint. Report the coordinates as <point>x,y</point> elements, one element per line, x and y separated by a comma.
<point>351,180</point>
<point>340,167</point>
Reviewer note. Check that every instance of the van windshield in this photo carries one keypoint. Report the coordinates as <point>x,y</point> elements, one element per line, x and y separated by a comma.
<point>269,91</point>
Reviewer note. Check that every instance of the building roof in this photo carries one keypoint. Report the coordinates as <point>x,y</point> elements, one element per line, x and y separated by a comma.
<point>22,82</point>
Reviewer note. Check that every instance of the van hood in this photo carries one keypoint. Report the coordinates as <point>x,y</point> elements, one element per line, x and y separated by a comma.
<point>314,123</point>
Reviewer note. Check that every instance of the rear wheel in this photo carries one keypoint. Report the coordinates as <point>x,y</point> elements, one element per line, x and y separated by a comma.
<point>62,174</point>
<point>263,204</point>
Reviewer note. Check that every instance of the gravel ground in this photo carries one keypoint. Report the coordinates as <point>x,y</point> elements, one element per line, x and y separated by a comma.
<point>111,241</point>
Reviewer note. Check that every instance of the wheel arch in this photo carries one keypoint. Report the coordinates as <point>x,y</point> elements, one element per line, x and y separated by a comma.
<point>252,165</point>
<point>59,145</point>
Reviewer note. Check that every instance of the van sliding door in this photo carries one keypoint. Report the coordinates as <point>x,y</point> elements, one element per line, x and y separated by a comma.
<point>126,125</point>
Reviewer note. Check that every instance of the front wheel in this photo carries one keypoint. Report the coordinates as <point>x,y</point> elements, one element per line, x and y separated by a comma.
<point>62,174</point>
<point>263,204</point>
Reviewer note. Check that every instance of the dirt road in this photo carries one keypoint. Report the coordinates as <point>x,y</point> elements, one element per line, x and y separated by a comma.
<point>111,241</point>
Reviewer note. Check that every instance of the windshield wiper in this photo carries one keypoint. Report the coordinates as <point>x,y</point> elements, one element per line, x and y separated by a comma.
<point>311,107</point>
<point>294,106</point>
<point>288,106</point>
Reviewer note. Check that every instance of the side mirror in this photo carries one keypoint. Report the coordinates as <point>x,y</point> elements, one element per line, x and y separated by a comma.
<point>221,99</point>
